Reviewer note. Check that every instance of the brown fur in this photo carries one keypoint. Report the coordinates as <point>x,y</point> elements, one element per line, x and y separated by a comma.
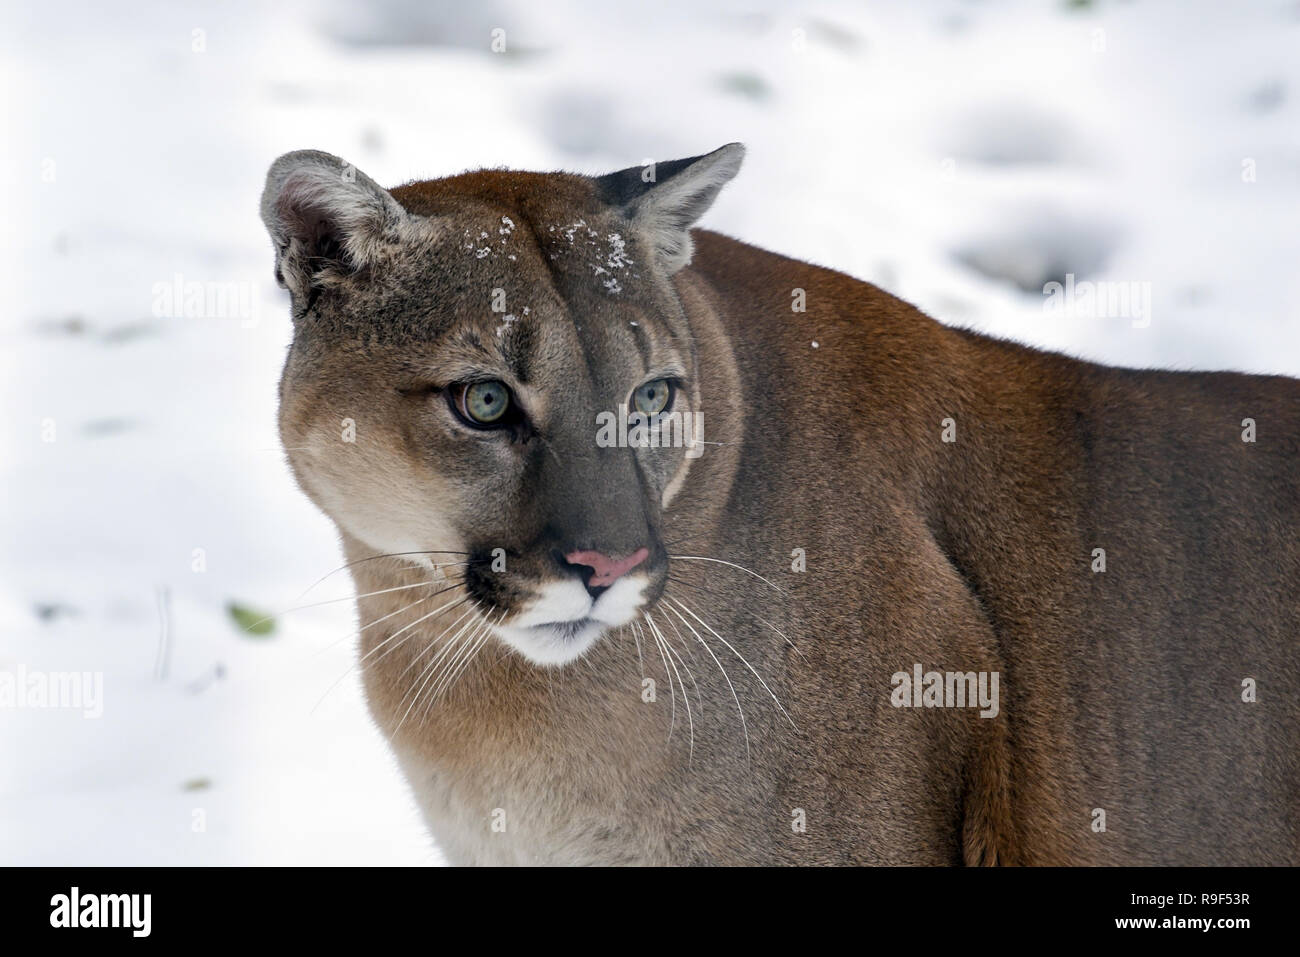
<point>1119,690</point>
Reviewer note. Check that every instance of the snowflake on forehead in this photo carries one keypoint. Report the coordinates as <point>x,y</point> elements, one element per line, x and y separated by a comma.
<point>603,255</point>
<point>618,257</point>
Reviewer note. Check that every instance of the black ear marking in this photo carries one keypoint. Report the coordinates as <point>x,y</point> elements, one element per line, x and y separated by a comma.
<point>666,200</point>
<point>621,188</point>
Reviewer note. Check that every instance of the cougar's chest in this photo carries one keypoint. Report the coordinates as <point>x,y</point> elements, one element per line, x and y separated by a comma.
<point>510,815</point>
<point>469,824</point>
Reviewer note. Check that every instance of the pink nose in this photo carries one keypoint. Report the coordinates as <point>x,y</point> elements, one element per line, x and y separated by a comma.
<point>606,570</point>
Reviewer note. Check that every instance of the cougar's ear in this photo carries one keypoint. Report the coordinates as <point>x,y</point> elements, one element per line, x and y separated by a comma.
<point>664,200</point>
<point>324,214</point>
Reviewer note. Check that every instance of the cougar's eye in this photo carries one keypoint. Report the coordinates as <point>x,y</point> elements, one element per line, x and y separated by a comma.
<point>482,403</point>
<point>653,397</point>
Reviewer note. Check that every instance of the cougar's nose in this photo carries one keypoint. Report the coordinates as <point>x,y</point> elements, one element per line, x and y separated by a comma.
<point>605,570</point>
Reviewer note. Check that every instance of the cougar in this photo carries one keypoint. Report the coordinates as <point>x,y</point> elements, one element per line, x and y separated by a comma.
<point>671,550</point>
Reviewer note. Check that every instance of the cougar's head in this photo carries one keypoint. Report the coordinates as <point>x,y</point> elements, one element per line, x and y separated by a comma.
<point>492,374</point>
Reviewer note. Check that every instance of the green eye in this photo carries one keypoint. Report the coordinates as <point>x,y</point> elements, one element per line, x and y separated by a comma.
<point>484,403</point>
<point>653,397</point>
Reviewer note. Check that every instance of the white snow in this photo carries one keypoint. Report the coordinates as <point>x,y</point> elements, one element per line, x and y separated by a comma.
<point>928,147</point>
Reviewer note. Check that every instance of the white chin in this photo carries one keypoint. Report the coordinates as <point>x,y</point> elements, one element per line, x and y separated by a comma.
<point>552,645</point>
<point>562,622</point>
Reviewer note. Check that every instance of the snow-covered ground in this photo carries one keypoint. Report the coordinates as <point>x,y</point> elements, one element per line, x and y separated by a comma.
<point>958,154</point>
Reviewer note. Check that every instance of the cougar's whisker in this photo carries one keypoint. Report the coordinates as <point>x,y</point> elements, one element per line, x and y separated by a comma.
<point>358,631</point>
<point>672,691</point>
<point>424,700</point>
<point>433,645</point>
<point>335,601</point>
<point>719,561</point>
<point>481,638</point>
<point>781,633</point>
<point>744,727</point>
<point>373,558</point>
<point>686,698</point>
<point>453,668</point>
<point>712,592</point>
<point>742,658</point>
<point>677,631</point>
<point>454,603</point>
<point>636,636</point>
<point>699,698</point>
<point>430,669</point>
<point>419,601</point>
<point>356,664</point>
